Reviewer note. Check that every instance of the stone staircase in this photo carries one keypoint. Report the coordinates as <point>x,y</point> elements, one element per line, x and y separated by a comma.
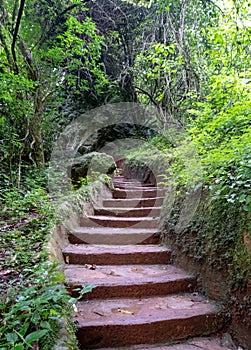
<point>139,297</point>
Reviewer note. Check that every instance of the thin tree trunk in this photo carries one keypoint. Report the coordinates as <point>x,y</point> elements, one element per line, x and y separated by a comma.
<point>37,151</point>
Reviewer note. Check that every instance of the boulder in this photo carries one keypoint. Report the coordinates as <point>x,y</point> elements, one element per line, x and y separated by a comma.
<point>91,164</point>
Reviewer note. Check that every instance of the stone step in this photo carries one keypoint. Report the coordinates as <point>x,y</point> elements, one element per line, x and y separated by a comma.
<point>133,203</point>
<point>121,177</point>
<point>123,322</point>
<point>192,344</point>
<point>116,255</point>
<point>128,212</point>
<point>134,185</point>
<point>138,193</point>
<point>128,281</point>
<point>124,179</point>
<point>118,222</point>
<point>114,236</point>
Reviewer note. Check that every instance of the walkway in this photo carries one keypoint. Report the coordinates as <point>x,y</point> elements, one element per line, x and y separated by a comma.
<point>140,298</point>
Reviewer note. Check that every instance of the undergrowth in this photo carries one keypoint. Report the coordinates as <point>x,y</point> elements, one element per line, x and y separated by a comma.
<point>33,299</point>
<point>34,314</point>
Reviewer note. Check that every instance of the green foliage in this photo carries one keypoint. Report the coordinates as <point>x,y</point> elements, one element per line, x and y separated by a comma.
<point>223,142</point>
<point>157,66</point>
<point>33,299</point>
<point>153,153</point>
<point>141,2</point>
<point>170,68</point>
<point>22,218</point>
<point>35,315</point>
<point>214,150</point>
<point>214,237</point>
<point>79,44</point>
<point>56,53</point>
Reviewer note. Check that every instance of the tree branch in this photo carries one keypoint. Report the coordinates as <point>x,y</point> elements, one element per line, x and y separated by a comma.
<point>6,49</point>
<point>16,29</point>
<point>147,94</point>
<point>47,34</point>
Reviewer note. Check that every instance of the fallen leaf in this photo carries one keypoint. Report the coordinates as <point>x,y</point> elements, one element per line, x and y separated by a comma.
<point>99,313</point>
<point>161,306</point>
<point>67,259</point>
<point>136,269</point>
<point>93,267</point>
<point>24,312</point>
<point>126,312</point>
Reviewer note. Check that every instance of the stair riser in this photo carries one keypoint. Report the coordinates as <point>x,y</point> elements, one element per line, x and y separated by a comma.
<point>119,259</point>
<point>94,222</point>
<point>94,337</point>
<point>117,194</point>
<point>133,203</point>
<point>137,291</point>
<point>119,223</point>
<point>135,186</point>
<point>129,213</point>
<point>115,239</point>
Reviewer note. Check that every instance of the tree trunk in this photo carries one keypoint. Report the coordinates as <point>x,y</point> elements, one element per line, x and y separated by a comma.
<point>36,148</point>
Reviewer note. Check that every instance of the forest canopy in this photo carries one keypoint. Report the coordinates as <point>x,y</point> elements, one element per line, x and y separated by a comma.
<point>60,59</point>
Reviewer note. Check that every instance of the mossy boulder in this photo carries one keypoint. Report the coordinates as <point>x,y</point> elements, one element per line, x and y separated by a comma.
<point>90,164</point>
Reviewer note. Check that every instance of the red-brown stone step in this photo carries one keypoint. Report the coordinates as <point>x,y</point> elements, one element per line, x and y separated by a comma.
<point>122,178</point>
<point>123,322</point>
<point>118,222</point>
<point>116,255</point>
<point>138,193</point>
<point>129,212</point>
<point>114,236</point>
<point>138,186</point>
<point>192,344</point>
<point>133,203</point>
<point>127,281</point>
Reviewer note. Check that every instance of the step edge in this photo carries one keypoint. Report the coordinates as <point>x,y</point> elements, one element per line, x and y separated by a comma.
<point>150,320</point>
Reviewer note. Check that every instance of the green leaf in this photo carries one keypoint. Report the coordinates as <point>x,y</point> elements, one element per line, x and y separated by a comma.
<point>45,325</point>
<point>242,198</point>
<point>19,346</point>
<point>11,337</point>
<point>34,336</point>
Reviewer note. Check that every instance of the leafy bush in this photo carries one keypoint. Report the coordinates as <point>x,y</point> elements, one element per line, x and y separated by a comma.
<point>34,316</point>
<point>223,142</point>
<point>33,300</point>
